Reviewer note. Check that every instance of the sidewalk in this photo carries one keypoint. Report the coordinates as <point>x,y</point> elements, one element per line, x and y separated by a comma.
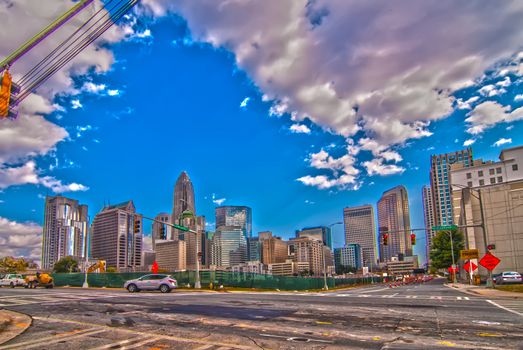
<point>12,324</point>
<point>485,292</point>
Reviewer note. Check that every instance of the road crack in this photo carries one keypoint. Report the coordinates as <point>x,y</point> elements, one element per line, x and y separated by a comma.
<point>255,342</point>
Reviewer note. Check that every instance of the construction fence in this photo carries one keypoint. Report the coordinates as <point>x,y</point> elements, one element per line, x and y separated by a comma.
<point>217,278</point>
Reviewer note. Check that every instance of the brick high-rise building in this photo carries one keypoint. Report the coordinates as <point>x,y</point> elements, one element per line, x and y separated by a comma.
<point>170,255</point>
<point>360,229</point>
<point>394,220</point>
<point>65,229</point>
<point>116,236</point>
<point>429,218</point>
<point>274,250</point>
<point>308,250</point>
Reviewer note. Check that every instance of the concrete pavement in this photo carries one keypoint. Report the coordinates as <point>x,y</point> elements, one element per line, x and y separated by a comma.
<point>409,317</point>
<point>486,292</point>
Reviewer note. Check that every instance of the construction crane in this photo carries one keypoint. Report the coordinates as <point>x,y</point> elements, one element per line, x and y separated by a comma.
<point>12,94</point>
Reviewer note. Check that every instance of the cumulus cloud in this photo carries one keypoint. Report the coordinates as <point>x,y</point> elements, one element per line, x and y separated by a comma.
<point>300,129</point>
<point>466,104</point>
<point>76,104</point>
<point>376,167</point>
<point>518,98</point>
<point>489,113</point>
<point>469,142</point>
<point>502,141</point>
<point>245,102</point>
<point>20,239</point>
<point>217,201</point>
<point>28,174</point>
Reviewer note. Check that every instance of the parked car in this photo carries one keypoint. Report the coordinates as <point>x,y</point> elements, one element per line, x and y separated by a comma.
<point>163,283</point>
<point>508,277</point>
<point>12,280</point>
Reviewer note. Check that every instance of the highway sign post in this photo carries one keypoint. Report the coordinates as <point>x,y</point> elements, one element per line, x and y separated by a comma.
<point>468,254</point>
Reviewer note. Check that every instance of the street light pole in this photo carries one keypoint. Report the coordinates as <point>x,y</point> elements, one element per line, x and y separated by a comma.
<point>454,279</point>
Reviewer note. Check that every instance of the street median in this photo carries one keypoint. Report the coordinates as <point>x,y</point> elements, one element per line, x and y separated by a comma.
<point>12,324</point>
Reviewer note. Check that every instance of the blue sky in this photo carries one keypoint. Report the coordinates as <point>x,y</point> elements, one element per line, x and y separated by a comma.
<point>175,99</point>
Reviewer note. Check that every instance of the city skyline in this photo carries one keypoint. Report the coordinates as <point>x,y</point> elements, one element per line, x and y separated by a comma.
<point>299,156</point>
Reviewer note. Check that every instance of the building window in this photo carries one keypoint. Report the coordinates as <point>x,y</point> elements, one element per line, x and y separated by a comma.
<point>469,176</point>
<point>514,167</point>
<point>482,182</point>
<point>491,171</point>
<point>469,184</point>
<point>480,173</point>
<point>492,180</point>
<point>500,179</point>
<point>498,170</point>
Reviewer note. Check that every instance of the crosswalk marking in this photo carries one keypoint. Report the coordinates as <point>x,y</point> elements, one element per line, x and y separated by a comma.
<point>50,298</point>
<point>514,306</point>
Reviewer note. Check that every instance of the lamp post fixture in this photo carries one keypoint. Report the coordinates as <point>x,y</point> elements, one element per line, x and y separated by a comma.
<point>325,286</point>
<point>187,214</point>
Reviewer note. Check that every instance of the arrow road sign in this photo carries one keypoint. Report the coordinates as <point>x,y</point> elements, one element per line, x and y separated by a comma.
<point>470,266</point>
<point>489,261</point>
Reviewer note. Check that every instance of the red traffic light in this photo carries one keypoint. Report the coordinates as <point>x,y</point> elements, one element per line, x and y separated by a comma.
<point>491,247</point>
<point>413,239</point>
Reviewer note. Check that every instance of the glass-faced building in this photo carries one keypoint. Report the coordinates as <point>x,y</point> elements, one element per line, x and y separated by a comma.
<point>65,229</point>
<point>240,216</point>
<point>360,229</point>
<point>322,233</point>
<point>229,247</point>
<point>348,256</point>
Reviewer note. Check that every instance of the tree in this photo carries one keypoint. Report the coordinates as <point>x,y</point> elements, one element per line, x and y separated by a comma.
<point>67,264</point>
<point>9,264</point>
<point>111,269</point>
<point>440,250</point>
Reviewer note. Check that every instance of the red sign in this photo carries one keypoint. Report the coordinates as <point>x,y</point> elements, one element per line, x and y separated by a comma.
<point>154,269</point>
<point>453,269</point>
<point>467,267</point>
<point>489,261</point>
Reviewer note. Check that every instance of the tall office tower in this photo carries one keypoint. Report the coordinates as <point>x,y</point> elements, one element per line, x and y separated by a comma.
<point>440,183</point>
<point>322,233</point>
<point>255,249</point>
<point>206,248</point>
<point>394,220</point>
<point>161,232</point>
<point>265,235</point>
<point>183,200</point>
<point>360,229</point>
<point>65,229</point>
<point>274,250</point>
<point>116,236</point>
<point>428,216</point>
<point>170,255</point>
<point>240,216</point>
<point>229,246</point>
<point>309,250</point>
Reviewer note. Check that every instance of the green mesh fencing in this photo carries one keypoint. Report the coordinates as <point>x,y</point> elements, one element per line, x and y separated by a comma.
<point>217,278</point>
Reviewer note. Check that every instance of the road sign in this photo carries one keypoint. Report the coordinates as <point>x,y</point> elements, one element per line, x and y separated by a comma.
<point>470,266</point>
<point>489,261</point>
<point>453,269</point>
<point>468,254</point>
<point>444,228</point>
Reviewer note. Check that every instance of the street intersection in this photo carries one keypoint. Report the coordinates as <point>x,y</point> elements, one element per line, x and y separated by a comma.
<point>377,317</point>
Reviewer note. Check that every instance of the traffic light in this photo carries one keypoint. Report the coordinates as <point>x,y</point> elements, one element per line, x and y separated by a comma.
<point>385,239</point>
<point>162,231</point>
<point>8,92</point>
<point>491,247</point>
<point>137,225</point>
<point>413,239</point>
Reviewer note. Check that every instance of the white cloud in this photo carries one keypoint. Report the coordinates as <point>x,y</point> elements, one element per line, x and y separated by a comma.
<point>376,167</point>
<point>510,127</point>
<point>518,98</point>
<point>300,129</point>
<point>20,239</point>
<point>145,34</point>
<point>217,201</point>
<point>466,104</point>
<point>353,65</point>
<point>502,141</point>
<point>75,104</point>
<point>245,102</point>
<point>469,142</point>
<point>309,202</point>
<point>93,88</point>
<point>80,130</point>
<point>489,113</point>
<point>113,92</point>
<point>27,174</point>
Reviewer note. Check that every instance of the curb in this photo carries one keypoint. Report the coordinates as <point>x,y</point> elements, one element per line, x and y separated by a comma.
<point>12,325</point>
<point>498,294</point>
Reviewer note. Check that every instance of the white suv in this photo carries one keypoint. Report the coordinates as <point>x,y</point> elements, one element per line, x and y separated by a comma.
<point>12,280</point>
<point>508,277</point>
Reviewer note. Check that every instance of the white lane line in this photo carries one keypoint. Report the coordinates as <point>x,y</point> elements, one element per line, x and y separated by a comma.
<point>459,298</point>
<point>124,344</point>
<point>290,338</point>
<point>467,298</point>
<point>51,340</point>
<point>142,343</point>
<point>504,308</point>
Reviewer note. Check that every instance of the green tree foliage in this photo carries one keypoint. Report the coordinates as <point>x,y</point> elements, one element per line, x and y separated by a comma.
<point>111,269</point>
<point>67,264</point>
<point>440,252</point>
<point>342,269</point>
<point>9,264</point>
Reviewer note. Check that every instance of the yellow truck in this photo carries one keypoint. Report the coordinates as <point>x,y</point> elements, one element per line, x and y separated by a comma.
<point>39,280</point>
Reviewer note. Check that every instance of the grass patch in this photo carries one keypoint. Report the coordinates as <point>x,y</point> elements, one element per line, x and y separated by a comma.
<point>518,288</point>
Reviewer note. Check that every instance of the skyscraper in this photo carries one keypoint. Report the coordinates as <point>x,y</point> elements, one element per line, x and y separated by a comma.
<point>229,246</point>
<point>310,250</point>
<point>439,183</point>
<point>239,216</point>
<point>116,236</point>
<point>274,250</point>
<point>322,233</point>
<point>394,220</point>
<point>428,216</point>
<point>65,228</point>
<point>360,229</point>
<point>348,256</point>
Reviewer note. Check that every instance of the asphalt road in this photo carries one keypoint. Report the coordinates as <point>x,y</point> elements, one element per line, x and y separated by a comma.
<point>428,316</point>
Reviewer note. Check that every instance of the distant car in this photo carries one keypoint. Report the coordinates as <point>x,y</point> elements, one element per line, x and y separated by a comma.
<point>12,280</point>
<point>163,283</point>
<point>508,277</point>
